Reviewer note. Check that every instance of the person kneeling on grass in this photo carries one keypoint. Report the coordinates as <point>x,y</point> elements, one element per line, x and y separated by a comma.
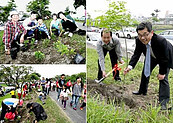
<point>42,96</point>
<point>43,31</point>
<point>38,110</point>
<point>14,33</point>
<point>9,108</point>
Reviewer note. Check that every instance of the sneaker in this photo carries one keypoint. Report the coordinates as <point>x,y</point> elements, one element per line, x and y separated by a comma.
<point>66,33</point>
<point>118,79</point>
<point>81,108</point>
<point>64,108</point>
<point>2,121</point>
<point>74,108</point>
<point>36,42</point>
<point>58,100</point>
<point>70,34</point>
<point>163,107</point>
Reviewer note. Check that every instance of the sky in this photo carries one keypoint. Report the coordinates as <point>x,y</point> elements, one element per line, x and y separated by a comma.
<point>54,6</point>
<point>50,71</point>
<point>135,7</point>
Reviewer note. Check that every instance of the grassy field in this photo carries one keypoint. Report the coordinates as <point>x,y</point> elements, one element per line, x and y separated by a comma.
<point>101,112</point>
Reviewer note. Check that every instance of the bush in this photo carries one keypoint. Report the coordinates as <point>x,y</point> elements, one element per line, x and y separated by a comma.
<point>39,55</point>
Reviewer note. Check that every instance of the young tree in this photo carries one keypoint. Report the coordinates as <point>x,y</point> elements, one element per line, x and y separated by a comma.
<point>39,6</point>
<point>116,17</point>
<point>5,11</point>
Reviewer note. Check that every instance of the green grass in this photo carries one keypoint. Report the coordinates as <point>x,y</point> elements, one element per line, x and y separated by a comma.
<point>55,113</point>
<point>100,112</point>
<point>1,43</point>
<point>4,97</point>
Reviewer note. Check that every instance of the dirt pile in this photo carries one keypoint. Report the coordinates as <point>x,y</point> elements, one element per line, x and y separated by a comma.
<point>120,94</point>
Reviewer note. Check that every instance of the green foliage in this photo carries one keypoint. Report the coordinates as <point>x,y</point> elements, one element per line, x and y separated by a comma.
<point>63,49</point>
<point>67,11</point>
<point>78,3</point>
<point>14,74</point>
<point>116,17</point>
<point>32,43</point>
<point>2,48</point>
<point>46,43</point>
<point>39,55</point>
<point>26,42</point>
<point>5,11</point>
<point>100,112</point>
<point>39,6</point>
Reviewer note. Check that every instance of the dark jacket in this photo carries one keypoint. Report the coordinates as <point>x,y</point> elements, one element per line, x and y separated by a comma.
<point>61,83</point>
<point>162,49</point>
<point>39,112</point>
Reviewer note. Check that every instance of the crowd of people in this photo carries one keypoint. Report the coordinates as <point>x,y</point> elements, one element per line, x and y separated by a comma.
<point>33,27</point>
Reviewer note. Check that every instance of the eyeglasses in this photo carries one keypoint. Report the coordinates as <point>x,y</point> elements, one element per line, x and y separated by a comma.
<point>144,35</point>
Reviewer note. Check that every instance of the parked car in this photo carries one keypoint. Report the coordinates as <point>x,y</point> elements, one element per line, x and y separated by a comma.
<point>93,29</point>
<point>93,37</point>
<point>168,34</point>
<point>128,33</point>
<point>8,89</point>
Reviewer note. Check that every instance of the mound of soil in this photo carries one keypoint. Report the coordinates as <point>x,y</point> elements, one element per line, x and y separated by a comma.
<point>51,54</point>
<point>120,94</point>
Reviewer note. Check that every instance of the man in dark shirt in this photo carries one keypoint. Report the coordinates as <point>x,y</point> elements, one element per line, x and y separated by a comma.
<point>38,110</point>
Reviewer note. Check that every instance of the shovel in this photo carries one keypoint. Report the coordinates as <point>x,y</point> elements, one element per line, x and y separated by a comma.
<point>115,67</point>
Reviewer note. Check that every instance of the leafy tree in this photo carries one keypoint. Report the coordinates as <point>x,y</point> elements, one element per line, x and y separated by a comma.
<point>78,3</point>
<point>40,7</point>
<point>67,11</point>
<point>14,74</point>
<point>116,17</point>
<point>5,11</point>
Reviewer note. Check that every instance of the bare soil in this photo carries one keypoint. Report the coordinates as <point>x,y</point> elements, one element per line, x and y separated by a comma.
<point>51,54</point>
<point>123,93</point>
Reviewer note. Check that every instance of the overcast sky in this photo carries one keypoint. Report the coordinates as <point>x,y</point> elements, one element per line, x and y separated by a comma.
<point>54,6</point>
<point>136,7</point>
<point>50,71</point>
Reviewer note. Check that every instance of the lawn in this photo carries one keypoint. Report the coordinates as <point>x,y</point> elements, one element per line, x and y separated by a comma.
<point>98,110</point>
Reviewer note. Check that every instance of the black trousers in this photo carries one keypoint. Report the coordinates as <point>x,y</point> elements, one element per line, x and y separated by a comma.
<point>113,57</point>
<point>69,26</point>
<point>15,47</point>
<point>30,33</point>
<point>4,110</point>
<point>164,90</point>
<point>42,35</point>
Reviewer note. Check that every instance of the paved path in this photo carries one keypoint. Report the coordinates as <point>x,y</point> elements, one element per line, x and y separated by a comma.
<point>77,116</point>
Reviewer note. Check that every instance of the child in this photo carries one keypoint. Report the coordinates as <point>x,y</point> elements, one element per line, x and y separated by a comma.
<point>64,95</point>
<point>42,29</point>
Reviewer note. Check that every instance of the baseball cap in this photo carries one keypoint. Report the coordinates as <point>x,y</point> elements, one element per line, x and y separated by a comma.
<point>13,13</point>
